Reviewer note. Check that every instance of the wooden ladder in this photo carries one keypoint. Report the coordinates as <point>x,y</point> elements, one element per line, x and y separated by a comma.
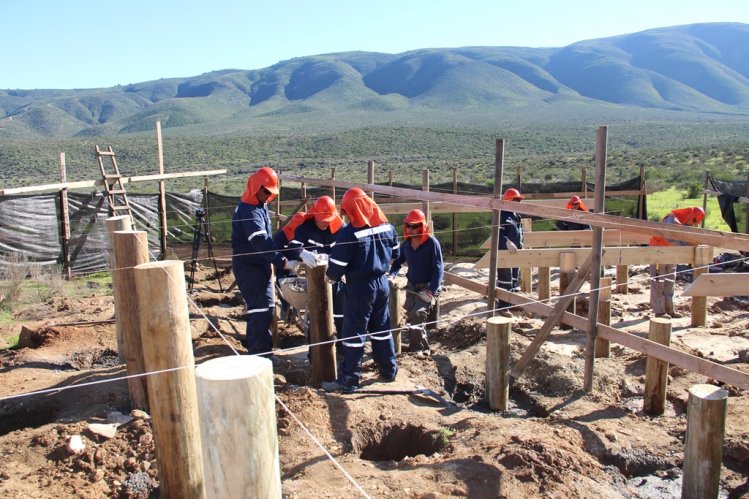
<point>116,195</point>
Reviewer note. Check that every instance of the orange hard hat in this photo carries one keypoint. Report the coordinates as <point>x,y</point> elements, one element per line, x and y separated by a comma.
<point>698,214</point>
<point>324,209</point>
<point>512,194</point>
<point>415,217</point>
<point>575,200</point>
<point>266,177</point>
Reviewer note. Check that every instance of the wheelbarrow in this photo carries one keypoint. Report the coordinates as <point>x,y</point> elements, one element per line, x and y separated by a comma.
<point>294,291</point>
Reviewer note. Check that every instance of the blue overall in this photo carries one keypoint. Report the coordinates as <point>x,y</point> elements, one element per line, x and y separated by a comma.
<point>510,229</point>
<point>363,256</point>
<point>253,253</point>
<point>310,237</point>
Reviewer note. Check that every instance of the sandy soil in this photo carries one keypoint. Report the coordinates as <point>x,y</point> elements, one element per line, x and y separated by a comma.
<point>555,440</point>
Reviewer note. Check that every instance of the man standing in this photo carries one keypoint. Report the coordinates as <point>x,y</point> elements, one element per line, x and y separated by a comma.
<point>575,203</point>
<point>663,276</point>
<point>362,254</point>
<point>253,253</point>
<point>510,239</point>
<point>423,254</point>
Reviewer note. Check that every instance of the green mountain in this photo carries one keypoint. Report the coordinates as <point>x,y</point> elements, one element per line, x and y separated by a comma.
<point>700,68</point>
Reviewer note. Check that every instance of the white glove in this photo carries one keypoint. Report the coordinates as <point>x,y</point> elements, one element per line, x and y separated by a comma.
<point>322,259</point>
<point>511,247</point>
<point>291,265</point>
<point>426,296</point>
<point>309,258</point>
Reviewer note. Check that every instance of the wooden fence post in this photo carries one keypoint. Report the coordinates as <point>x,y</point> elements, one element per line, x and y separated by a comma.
<point>114,224</point>
<point>167,352</point>
<point>321,328</point>
<point>498,362</point>
<point>395,315</point>
<point>425,206</point>
<point>703,446</point>
<point>162,192</point>
<point>371,176</point>
<point>622,276</point>
<point>129,248</point>
<point>603,346</point>
<point>544,283</point>
<point>566,274</point>
<point>656,371</point>
<point>238,427</point>
<point>703,256</point>
<point>526,273</point>
<point>65,220</point>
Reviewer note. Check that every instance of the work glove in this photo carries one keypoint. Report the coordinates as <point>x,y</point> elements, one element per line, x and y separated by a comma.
<point>322,259</point>
<point>426,296</point>
<point>391,278</point>
<point>308,258</point>
<point>291,265</point>
<point>511,247</point>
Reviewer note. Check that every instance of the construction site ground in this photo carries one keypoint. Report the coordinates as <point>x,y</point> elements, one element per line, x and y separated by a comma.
<point>555,440</point>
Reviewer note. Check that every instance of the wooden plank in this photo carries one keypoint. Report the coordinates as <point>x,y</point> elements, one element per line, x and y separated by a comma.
<point>669,354</point>
<point>614,256</point>
<point>82,184</point>
<point>728,284</point>
<point>578,238</point>
<point>692,235</point>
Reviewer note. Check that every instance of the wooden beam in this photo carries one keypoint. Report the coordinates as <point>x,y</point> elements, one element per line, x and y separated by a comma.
<point>672,356</point>
<point>728,284</point>
<point>632,255</point>
<point>578,238</point>
<point>692,235</point>
<point>81,184</point>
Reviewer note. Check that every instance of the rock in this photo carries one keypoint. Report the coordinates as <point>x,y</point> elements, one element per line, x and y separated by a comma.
<point>744,355</point>
<point>138,414</point>
<point>118,418</point>
<point>76,444</point>
<point>98,475</point>
<point>108,430</point>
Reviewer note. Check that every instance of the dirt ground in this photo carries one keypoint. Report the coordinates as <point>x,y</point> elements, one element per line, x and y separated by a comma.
<point>555,440</point>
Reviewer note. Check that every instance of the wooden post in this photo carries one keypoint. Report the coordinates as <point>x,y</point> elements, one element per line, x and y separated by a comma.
<point>703,446</point>
<point>747,205</point>
<point>162,193</point>
<point>394,306</point>
<point>321,327</point>
<point>499,158</point>
<point>455,215</point>
<point>641,197</point>
<point>113,224</point>
<point>304,195</point>
<point>518,178</point>
<point>566,274</point>
<point>370,176</point>
<point>584,181</point>
<point>703,256</point>
<point>65,220</point>
<point>526,273</point>
<point>704,196</point>
<point>425,206</point>
<point>656,371</point>
<point>129,248</point>
<point>544,283</point>
<point>332,187</point>
<point>390,177</point>
<point>603,346</point>
<point>622,278</point>
<point>498,362</point>
<point>278,206</point>
<point>167,352</point>
<point>597,254</point>
<point>238,427</point>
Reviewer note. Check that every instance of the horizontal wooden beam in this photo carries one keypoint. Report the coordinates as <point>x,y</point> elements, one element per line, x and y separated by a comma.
<point>82,184</point>
<point>725,284</point>
<point>633,255</point>
<point>662,352</point>
<point>578,238</point>
<point>692,235</point>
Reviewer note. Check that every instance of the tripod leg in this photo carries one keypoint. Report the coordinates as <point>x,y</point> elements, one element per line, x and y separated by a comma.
<point>195,248</point>
<point>210,255</point>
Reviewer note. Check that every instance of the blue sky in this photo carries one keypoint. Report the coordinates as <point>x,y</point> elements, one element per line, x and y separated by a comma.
<point>101,43</point>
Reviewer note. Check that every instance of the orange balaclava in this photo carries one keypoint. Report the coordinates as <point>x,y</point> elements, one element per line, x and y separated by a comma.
<point>296,220</point>
<point>417,217</point>
<point>689,216</point>
<point>264,177</point>
<point>361,210</point>
<point>324,211</point>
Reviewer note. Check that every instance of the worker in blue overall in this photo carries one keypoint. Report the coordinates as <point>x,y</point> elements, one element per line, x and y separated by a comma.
<point>281,240</point>
<point>510,239</point>
<point>317,234</point>
<point>423,254</point>
<point>362,254</point>
<point>253,253</point>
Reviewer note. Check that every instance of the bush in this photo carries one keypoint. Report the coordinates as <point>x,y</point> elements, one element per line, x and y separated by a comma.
<point>694,190</point>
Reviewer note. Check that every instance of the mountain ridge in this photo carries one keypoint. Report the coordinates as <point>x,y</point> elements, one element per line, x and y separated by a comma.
<point>697,68</point>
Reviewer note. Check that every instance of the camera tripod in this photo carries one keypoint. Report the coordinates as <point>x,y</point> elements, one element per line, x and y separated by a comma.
<point>200,230</point>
